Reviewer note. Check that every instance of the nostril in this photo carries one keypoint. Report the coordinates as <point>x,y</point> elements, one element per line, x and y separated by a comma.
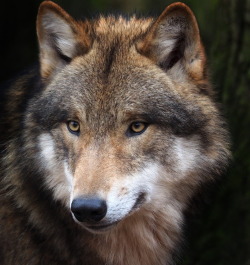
<point>77,214</point>
<point>89,209</point>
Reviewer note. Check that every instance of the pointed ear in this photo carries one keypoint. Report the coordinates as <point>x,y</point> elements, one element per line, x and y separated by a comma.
<point>173,42</point>
<point>60,38</point>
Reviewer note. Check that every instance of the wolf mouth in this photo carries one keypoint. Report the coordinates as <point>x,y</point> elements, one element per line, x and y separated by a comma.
<point>101,227</point>
<point>139,201</point>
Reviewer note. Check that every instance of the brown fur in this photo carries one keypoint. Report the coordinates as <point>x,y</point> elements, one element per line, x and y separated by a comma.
<point>106,74</point>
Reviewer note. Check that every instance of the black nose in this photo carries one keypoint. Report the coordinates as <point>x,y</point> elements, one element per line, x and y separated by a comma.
<point>89,209</point>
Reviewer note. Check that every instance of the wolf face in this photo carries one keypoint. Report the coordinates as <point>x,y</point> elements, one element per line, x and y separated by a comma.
<point>121,149</point>
<point>125,121</point>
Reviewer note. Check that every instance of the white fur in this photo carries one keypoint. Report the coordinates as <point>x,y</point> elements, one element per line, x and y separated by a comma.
<point>69,178</point>
<point>187,154</point>
<point>58,178</point>
<point>135,184</point>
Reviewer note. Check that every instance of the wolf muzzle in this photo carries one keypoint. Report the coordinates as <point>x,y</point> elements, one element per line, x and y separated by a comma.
<point>89,209</point>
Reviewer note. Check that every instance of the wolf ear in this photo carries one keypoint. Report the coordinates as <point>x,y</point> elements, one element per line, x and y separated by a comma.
<point>173,42</point>
<point>60,38</point>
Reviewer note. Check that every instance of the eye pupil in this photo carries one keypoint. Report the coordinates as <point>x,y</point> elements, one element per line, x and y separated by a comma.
<point>74,124</point>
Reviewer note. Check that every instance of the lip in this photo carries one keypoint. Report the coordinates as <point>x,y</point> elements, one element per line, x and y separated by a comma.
<point>140,200</point>
<point>101,227</point>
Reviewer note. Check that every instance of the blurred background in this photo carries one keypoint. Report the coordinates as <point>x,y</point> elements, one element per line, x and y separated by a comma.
<point>220,233</point>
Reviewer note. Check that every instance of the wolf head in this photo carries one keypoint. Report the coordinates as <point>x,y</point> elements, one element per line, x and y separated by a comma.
<point>126,120</point>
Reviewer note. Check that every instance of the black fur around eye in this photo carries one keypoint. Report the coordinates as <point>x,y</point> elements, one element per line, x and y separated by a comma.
<point>137,128</point>
<point>73,127</point>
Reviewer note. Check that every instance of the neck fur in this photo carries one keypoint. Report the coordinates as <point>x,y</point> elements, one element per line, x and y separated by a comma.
<point>145,238</point>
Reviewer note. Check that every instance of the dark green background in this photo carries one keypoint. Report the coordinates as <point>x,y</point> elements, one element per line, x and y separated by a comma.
<point>220,233</point>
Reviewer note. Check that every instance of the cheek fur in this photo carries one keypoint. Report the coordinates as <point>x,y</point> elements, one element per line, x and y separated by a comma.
<point>124,192</point>
<point>187,155</point>
<point>58,178</point>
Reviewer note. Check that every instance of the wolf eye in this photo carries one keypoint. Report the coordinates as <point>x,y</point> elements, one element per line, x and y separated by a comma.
<point>137,128</point>
<point>73,127</point>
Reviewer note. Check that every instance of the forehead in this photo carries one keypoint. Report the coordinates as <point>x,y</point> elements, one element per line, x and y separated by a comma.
<point>129,92</point>
<point>129,82</point>
<point>133,88</point>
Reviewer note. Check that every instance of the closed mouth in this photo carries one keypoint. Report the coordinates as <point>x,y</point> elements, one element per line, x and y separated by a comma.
<point>101,227</point>
<point>140,200</point>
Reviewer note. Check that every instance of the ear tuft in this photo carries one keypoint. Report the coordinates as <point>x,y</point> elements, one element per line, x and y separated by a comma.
<point>173,42</point>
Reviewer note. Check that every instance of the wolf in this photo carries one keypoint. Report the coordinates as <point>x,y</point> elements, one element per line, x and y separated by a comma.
<point>105,142</point>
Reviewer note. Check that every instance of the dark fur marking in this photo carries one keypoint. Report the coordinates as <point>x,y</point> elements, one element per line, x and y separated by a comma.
<point>110,59</point>
<point>182,119</point>
<point>64,57</point>
<point>48,112</point>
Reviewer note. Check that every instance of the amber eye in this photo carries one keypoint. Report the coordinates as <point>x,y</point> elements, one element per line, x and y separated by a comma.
<point>137,128</point>
<point>73,127</point>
